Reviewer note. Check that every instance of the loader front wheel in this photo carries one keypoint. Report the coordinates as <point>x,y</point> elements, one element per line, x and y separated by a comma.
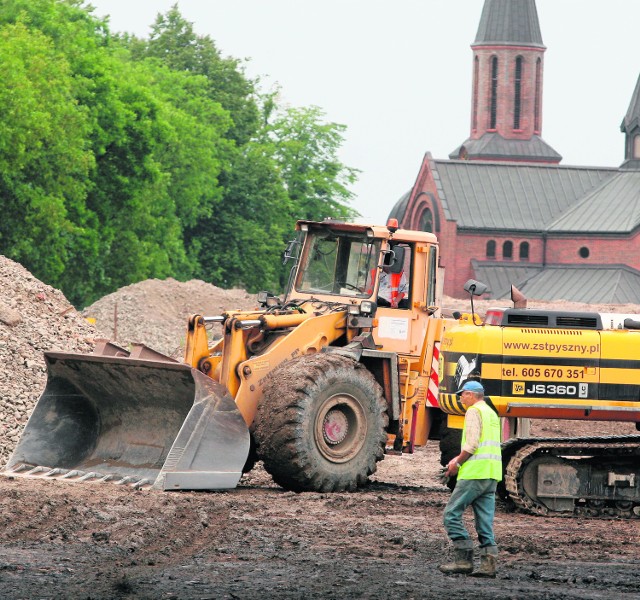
<point>321,425</point>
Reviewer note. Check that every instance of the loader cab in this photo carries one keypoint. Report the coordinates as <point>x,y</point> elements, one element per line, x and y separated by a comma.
<point>343,263</point>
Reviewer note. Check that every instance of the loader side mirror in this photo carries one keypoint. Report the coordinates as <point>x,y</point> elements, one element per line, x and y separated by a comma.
<point>475,288</point>
<point>394,259</point>
<point>290,251</point>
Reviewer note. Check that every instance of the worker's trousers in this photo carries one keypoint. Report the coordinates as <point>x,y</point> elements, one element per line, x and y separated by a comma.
<point>480,494</point>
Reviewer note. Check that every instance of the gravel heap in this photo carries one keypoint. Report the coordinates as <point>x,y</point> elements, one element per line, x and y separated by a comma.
<point>155,312</point>
<point>34,318</point>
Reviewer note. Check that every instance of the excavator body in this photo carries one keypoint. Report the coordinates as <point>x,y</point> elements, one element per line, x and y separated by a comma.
<point>539,364</point>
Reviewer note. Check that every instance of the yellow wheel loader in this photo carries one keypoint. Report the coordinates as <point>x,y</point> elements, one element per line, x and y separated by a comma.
<point>545,364</point>
<point>316,384</point>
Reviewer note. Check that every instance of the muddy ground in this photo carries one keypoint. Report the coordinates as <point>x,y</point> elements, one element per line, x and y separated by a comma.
<point>101,541</point>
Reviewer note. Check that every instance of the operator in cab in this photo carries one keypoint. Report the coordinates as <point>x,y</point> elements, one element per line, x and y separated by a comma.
<point>393,289</point>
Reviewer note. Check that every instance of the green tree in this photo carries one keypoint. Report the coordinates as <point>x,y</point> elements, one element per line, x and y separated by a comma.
<point>174,42</point>
<point>306,150</point>
<point>123,159</point>
<point>241,244</point>
<point>44,159</point>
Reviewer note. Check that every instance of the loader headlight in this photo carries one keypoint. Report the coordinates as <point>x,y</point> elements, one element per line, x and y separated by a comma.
<point>368,307</point>
<point>267,299</point>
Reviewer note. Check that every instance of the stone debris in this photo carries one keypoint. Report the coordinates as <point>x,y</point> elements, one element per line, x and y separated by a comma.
<point>35,318</point>
<point>156,312</point>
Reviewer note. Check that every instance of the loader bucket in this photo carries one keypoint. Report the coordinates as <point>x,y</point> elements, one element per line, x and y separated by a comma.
<point>142,422</point>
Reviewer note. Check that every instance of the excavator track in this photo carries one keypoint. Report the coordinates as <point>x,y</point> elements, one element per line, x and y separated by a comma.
<point>594,477</point>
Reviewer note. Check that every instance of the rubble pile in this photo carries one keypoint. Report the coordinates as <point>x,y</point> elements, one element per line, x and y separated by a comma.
<point>155,312</point>
<point>34,318</point>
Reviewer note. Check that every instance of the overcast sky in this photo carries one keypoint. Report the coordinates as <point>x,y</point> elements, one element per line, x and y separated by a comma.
<point>397,73</point>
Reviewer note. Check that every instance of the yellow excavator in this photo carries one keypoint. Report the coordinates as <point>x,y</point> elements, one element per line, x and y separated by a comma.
<point>545,364</point>
<point>316,384</point>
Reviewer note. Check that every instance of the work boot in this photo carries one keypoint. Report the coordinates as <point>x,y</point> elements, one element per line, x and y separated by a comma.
<point>488,560</point>
<point>463,562</point>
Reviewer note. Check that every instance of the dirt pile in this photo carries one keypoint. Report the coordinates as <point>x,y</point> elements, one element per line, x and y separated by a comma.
<point>34,318</point>
<point>155,312</point>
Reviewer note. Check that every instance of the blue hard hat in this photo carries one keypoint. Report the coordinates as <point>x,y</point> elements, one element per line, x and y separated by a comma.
<point>471,386</point>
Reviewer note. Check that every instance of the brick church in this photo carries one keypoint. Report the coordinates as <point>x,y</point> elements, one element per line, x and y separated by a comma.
<point>504,209</point>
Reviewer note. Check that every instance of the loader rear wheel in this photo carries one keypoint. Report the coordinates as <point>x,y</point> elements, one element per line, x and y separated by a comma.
<point>321,425</point>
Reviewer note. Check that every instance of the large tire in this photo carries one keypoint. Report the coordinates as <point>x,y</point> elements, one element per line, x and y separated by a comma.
<point>321,424</point>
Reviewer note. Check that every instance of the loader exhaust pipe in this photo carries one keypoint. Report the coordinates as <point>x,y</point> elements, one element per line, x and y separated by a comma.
<point>146,422</point>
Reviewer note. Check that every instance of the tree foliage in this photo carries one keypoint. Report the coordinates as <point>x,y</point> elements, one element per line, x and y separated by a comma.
<point>123,159</point>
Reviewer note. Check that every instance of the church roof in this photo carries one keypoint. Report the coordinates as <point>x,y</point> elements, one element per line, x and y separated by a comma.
<point>400,207</point>
<point>512,196</point>
<point>613,207</point>
<point>509,22</point>
<point>590,284</point>
<point>492,146</point>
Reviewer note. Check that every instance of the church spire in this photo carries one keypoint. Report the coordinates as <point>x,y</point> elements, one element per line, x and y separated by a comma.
<point>505,22</point>
<point>506,111</point>
<point>631,128</point>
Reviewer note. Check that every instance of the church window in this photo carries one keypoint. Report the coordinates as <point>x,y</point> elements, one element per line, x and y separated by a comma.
<point>524,251</point>
<point>517,100</point>
<point>507,250</point>
<point>636,146</point>
<point>426,221</point>
<point>476,68</point>
<point>491,249</point>
<point>538,99</point>
<point>494,92</point>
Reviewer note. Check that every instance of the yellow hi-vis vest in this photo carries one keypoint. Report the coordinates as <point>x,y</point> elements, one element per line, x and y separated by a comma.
<point>486,463</point>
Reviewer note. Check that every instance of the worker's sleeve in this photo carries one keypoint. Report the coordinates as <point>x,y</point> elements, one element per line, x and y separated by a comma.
<point>473,424</point>
<point>402,288</point>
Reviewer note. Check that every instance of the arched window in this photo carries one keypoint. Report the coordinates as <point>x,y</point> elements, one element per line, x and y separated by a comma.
<point>507,250</point>
<point>636,146</point>
<point>476,69</point>
<point>517,93</point>
<point>524,251</point>
<point>426,221</point>
<point>491,249</point>
<point>494,92</point>
<point>538,99</point>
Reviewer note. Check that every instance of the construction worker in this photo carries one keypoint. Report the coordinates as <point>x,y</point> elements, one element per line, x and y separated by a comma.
<point>478,468</point>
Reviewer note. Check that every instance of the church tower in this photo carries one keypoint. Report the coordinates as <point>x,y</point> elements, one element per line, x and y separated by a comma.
<point>506,106</point>
<point>631,129</point>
